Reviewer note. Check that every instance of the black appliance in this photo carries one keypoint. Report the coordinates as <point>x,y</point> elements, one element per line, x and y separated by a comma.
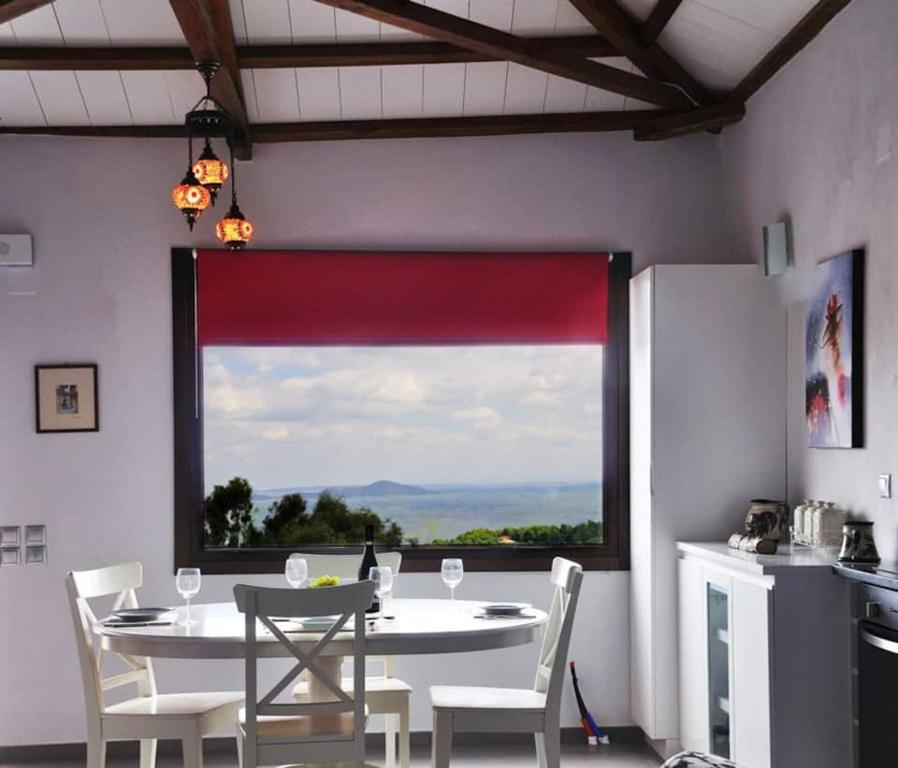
<point>877,672</point>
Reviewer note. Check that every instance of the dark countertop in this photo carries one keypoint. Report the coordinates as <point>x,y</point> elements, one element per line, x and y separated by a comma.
<point>885,574</point>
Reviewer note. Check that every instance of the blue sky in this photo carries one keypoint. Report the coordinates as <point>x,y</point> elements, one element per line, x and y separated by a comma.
<point>352,415</point>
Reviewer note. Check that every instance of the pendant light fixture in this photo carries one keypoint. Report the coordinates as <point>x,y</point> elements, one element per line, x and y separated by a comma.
<point>190,196</point>
<point>211,172</point>
<point>206,177</point>
<point>234,230</point>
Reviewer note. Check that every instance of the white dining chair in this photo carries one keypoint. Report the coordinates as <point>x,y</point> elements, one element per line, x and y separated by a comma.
<point>331,731</point>
<point>534,710</point>
<point>385,694</point>
<point>149,716</point>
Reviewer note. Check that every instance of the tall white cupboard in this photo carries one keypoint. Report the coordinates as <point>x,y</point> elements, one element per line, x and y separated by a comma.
<point>707,434</point>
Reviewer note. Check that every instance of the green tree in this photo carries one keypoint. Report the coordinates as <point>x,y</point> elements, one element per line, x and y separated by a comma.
<point>287,513</point>
<point>229,514</point>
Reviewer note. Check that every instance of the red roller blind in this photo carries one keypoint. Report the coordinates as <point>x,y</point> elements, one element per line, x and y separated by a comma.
<point>339,298</point>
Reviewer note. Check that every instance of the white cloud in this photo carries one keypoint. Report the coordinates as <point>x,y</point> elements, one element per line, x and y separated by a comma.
<point>342,415</point>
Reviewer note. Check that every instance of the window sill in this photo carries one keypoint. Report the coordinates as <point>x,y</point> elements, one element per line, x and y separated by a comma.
<point>415,559</point>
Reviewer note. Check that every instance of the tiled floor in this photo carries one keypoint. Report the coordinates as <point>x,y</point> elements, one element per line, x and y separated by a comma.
<point>492,756</point>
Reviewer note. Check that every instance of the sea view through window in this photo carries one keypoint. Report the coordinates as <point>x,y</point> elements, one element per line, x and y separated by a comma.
<point>442,445</point>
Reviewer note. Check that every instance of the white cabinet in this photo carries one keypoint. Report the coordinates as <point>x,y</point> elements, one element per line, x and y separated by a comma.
<point>707,434</point>
<point>764,657</point>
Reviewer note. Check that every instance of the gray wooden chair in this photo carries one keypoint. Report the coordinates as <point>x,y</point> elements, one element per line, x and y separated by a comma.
<point>534,710</point>
<point>332,731</point>
<point>150,715</point>
<point>385,694</point>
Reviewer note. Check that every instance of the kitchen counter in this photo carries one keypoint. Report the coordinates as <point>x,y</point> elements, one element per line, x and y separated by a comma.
<point>788,557</point>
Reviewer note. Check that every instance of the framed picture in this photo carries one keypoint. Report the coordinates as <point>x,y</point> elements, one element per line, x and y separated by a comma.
<point>834,354</point>
<point>66,398</point>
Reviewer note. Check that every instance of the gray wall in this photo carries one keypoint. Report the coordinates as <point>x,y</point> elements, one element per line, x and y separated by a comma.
<point>817,146</point>
<point>100,291</point>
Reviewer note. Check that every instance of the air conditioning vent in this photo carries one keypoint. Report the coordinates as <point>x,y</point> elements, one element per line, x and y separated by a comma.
<point>16,251</point>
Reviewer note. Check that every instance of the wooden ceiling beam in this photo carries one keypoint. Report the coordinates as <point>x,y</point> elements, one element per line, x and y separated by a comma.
<point>12,9</point>
<point>615,23</point>
<point>274,56</point>
<point>647,125</point>
<point>654,25</point>
<point>671,126</point>
<point>206,25</point>
<point>791,45</point>
<point>502,45</point>
<point>400,128</point>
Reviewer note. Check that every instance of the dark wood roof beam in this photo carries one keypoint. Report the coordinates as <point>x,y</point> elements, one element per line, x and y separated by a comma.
<point>12,9</point>
<point>274,56</point>
<point>790,46</point>
<point>207,27</point>
<point>502,45</point>
<point>647,125</point>
<point>622,31</point>
<point>654,25</point>
<point>677,124</point>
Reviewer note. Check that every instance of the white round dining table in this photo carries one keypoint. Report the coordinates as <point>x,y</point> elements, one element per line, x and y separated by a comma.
<point>419,627</point>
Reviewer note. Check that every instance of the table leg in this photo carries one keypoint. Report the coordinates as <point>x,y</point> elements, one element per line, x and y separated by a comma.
<point>332,666</point>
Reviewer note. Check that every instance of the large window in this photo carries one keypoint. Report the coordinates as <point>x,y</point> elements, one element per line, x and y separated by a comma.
<point>501,439</point>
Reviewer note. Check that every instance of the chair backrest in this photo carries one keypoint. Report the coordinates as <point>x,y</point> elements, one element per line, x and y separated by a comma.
<point>566,579</point>
<point>347,566</point>
<point>259,604</point>
<point>123,581</point>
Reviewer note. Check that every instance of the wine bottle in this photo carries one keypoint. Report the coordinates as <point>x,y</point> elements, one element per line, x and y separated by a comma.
<point>369,561</point>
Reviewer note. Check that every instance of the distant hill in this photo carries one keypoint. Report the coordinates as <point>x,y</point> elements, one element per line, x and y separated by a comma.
<point>378,488</point>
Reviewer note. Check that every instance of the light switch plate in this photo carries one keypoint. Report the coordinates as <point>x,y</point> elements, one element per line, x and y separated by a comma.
<point>35,554</point>
<point>9,556</point>
<point>35,534</point>
<point>885,486</point>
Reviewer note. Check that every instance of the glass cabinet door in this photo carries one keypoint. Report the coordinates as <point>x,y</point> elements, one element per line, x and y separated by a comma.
<point>719,669</point>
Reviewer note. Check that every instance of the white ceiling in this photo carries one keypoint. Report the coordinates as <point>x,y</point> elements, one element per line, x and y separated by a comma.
<point>719,41</point>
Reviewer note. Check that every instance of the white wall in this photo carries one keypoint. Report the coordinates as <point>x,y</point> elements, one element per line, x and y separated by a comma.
<point>103,228</point>
<point>820,145</point>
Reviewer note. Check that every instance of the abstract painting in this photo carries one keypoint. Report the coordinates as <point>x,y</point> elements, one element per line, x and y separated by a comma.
<point>834,354</point>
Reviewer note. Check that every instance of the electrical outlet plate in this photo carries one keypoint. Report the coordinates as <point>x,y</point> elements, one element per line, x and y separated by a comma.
<point>885,486</point>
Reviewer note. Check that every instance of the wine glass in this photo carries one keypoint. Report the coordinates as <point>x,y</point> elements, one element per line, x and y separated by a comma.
<point>296,569</point>
<point>452,571</point>
<point>383,582</point>
<point>187,582</point>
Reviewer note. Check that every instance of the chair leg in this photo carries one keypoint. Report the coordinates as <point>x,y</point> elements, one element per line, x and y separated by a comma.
<point>442,739</point>
<point>390,741</point>
<point>192,746</point>
<point>552,746</point>
<point>148,753</point>
<point>540,739</point>
<point>239,746</point>
<point>405,757</point>
<point>96,753</point>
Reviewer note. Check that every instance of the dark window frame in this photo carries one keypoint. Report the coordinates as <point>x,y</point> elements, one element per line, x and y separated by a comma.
<point>612,555</point>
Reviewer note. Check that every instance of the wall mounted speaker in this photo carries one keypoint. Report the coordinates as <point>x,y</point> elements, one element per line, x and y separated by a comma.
<point>16,251</point>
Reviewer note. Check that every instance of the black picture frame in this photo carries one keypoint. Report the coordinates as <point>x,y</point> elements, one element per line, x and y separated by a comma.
<point>814,380</point>
<point>92,370</point>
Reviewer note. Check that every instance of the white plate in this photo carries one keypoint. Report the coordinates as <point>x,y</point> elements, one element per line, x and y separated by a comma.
<point>504,609</point>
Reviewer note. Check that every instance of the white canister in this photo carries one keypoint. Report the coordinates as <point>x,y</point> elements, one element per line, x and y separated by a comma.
<point>807,524</point>
<point>798,521</point>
